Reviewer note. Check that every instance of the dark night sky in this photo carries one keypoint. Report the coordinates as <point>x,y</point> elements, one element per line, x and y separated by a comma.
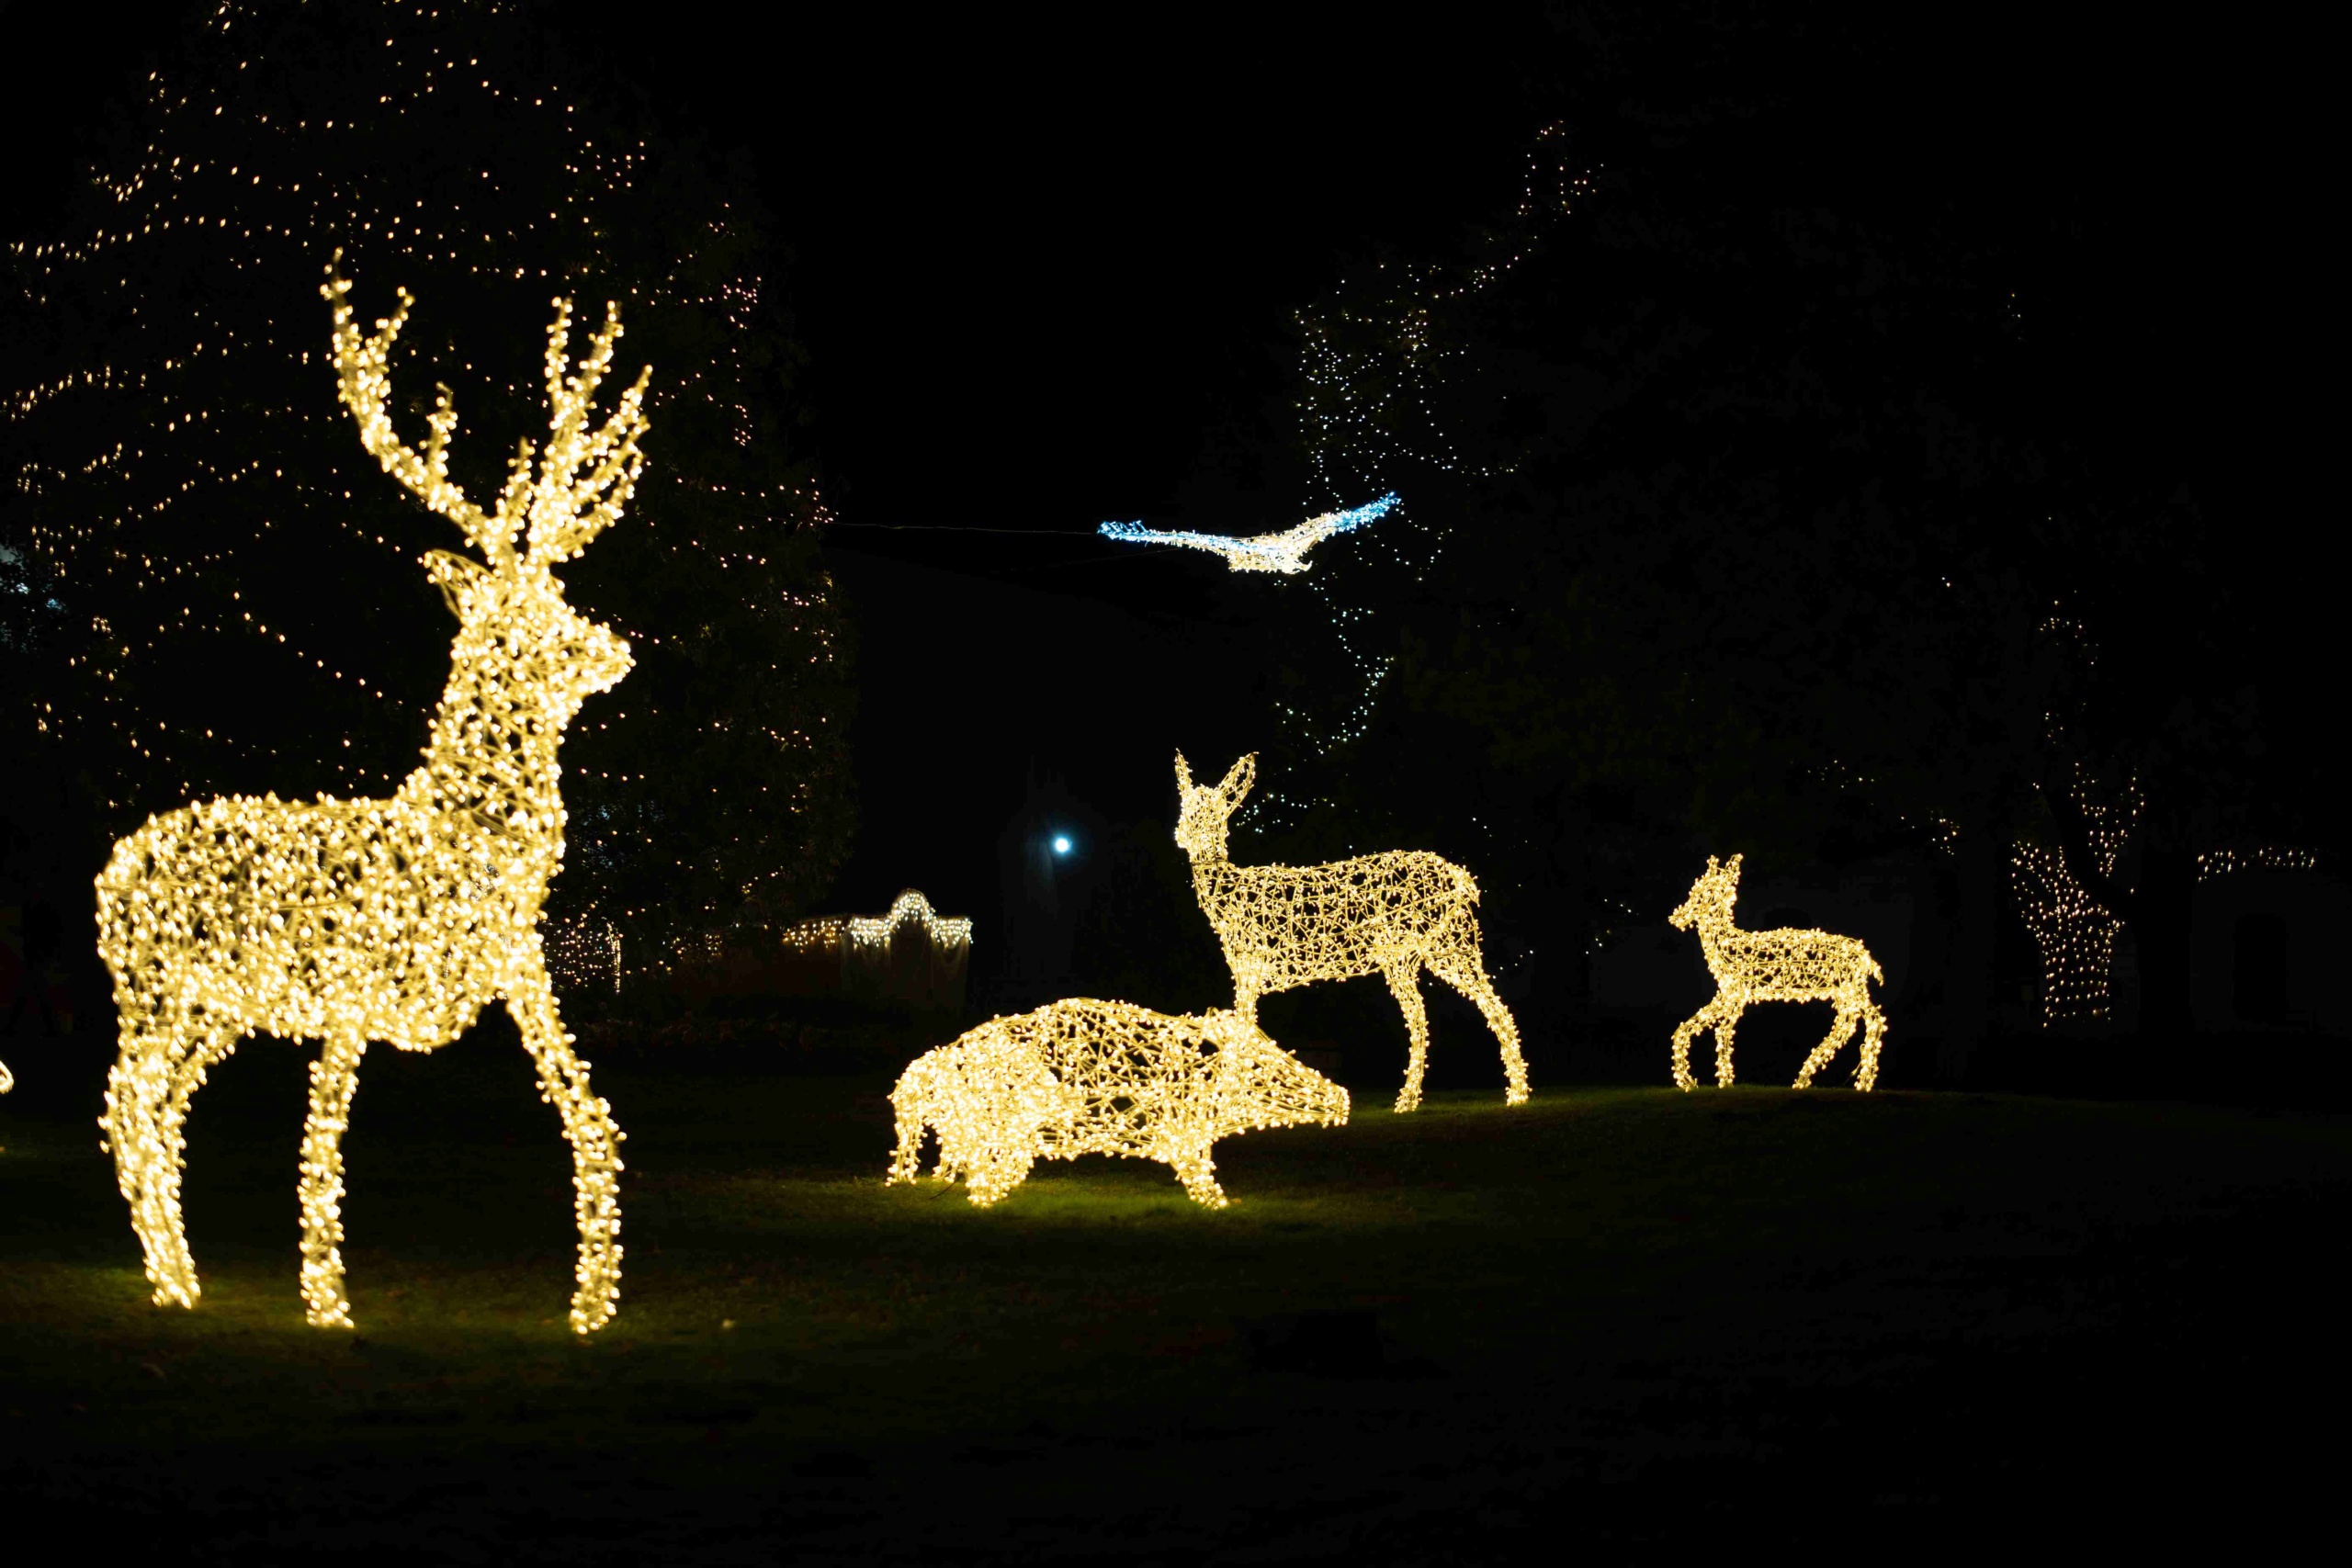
<point>1044,265</point>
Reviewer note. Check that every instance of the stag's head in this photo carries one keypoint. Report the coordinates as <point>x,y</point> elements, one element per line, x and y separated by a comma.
<point>1202,810</point>
<point>1711,897</point>
<point>524,646</point>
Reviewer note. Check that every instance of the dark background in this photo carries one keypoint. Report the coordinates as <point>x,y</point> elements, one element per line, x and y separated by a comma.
<point>1044,269</point>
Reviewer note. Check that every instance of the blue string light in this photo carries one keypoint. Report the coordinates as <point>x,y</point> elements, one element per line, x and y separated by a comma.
<point>1284,551</point>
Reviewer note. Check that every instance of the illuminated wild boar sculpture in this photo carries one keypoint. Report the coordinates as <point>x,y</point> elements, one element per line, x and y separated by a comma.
<point>1081,1076</point>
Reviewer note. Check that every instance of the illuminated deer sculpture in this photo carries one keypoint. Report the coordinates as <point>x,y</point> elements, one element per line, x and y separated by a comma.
<point>395,920</point>
<point>1392,914</point>
<point>1785,965</point>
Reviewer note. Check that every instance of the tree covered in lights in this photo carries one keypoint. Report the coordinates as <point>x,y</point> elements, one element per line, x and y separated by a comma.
<point>1716,509</point>
<point>222,588</point>
<point>1758,451</point>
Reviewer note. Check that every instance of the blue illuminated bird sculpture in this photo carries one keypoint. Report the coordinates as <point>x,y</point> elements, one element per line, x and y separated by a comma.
<point>1284,551</point>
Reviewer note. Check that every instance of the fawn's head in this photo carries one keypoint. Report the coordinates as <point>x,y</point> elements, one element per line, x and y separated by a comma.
<point>1711,897</point>
<point>1202,810</point>
<point>521,649</point>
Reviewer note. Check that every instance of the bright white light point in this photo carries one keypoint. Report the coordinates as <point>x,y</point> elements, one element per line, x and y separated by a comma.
<point>1061,844</point>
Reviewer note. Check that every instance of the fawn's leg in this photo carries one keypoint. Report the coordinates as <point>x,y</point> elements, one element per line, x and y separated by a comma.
<point>1405,984</point>
<point>1839,1028</point>
<point>1726,1025</point>
<point>1466,973</point>
<point>595,1149</point>
<point>1873,1035</point>
<point>161,1064</point>
<point>1688,1031</point>
<point>334,1077</point>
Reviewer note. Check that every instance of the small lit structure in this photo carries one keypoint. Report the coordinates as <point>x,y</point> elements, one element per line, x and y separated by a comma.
<point>1774,967</point>
<point>911,955</point>
<point>1284,551</point>
<point>1081,1076</point>
<point>396,919</point>
<point>1391,915</point>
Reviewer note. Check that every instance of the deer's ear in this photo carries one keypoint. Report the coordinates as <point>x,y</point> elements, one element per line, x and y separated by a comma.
<point>457,577</point>
<point>1183,772</point>
<point>1238,781</point>
<point>1732,865</point>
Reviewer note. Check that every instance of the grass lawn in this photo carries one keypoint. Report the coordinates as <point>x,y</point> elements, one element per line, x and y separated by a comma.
<point>1615,1321</point>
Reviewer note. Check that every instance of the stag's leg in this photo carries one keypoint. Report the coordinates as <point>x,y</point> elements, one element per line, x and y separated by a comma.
<point>333,1078</point>
<point>1688,1031</point>
<point>595,1150</point>
<point>1873,1035</point>
<point>1466,973</point>
<point>1839,1028</point>
<point>1405,984</point>
<point>1726,1025</point>
<point>161,1065</point>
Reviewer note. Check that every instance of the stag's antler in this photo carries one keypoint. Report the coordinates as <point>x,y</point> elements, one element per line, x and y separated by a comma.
<point>568,511</point>
<point>564,510</point>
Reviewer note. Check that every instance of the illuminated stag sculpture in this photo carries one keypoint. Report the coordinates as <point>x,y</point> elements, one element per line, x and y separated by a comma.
<point>394,920</point>
<point>1785,965</point>
<point>1392,914</point>
<point>1086,1078</point>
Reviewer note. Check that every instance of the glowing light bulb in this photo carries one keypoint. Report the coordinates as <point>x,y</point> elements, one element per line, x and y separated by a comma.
<point>1061,844</point>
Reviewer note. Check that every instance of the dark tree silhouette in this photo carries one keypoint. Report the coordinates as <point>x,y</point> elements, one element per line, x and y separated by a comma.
<point>225,590</point>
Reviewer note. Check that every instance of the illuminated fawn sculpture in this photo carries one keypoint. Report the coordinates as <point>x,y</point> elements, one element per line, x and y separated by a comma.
<point>1081,1076</point>
<point>1786,965</point>
<point>395,920</point>
<point>1392,914</point>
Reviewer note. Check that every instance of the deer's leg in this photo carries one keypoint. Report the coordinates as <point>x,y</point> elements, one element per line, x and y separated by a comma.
<point>333,1078</point>
<point>595,1150</point>
<point>1405,984</point>
<point>1726,1025</point>
<point>1873,1035</point>
<point>161,1065</point>
<point>1839,1028</point>
<point>1466,973</point>
<point>1688,1031</point>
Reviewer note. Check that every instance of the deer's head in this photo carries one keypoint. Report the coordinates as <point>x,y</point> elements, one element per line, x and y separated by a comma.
<point>520,647</point>
<point>1202,810</point>
<point>1711,897</point>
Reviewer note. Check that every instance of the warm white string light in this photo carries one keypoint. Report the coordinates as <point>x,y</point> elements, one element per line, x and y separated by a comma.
<point>2074,933</point>
<point>911,907</point>
<point>1284,551</point>
<point>394,920</point>
<point>1785,965</point>
<point>1393,914</point>
<point>1081,1076</point>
